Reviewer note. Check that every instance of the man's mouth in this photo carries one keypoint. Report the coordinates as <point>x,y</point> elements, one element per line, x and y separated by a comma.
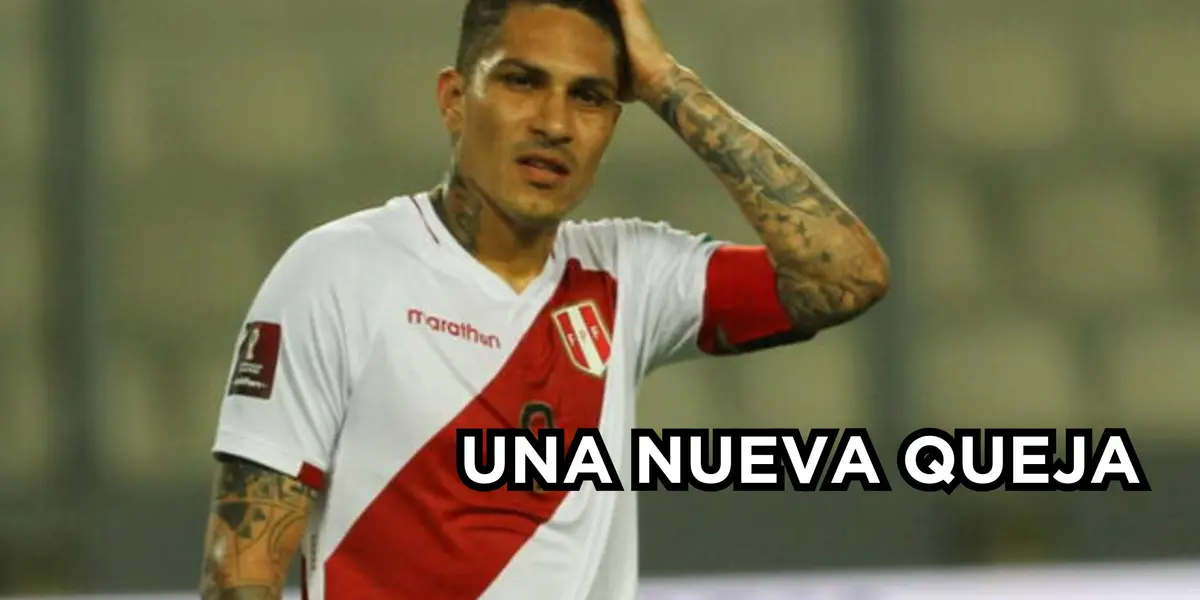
<point>545,163</point>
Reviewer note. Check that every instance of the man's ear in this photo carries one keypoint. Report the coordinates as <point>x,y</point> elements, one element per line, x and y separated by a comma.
<point>451,92</point>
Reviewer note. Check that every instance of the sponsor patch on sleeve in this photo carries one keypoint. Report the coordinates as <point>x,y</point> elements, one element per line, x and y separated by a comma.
<point>257,358</point>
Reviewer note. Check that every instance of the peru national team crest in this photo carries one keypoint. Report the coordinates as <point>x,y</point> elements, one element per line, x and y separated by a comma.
<point>585,335</point>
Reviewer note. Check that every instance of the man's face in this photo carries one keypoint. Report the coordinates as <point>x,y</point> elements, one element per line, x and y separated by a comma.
<point>537,115</point>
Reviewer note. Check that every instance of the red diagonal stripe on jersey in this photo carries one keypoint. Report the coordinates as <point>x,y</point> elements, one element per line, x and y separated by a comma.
<point>597,331</point>
<point>427,536</point>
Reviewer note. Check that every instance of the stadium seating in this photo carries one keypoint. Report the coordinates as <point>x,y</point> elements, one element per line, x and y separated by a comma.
<point>21,268</point>
<point>825,382</point>
<point>201,391</point>
<point>1001,368</point>
<point>180,256</point>
<point>966,101</point>
<point>1148,77</point>
<point>134,424</point>
<point>26,437</point>
<point>686,395</point>
<point>945,210</point>
<point>810,63</point>
<point>1150,373</point>
<point>20,117</point>
<point>1091,234</point>
<point>290,121</point>
<point>1047,227</point>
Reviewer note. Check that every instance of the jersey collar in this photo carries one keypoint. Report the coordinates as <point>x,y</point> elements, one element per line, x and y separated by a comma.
<point>448,248</point>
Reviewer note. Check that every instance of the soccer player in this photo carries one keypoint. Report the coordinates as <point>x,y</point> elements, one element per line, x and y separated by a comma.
<point>478,304</point>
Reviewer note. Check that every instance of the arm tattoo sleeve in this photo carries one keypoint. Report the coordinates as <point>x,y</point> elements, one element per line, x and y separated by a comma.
<point>257,520</point>
<point>830,268</point>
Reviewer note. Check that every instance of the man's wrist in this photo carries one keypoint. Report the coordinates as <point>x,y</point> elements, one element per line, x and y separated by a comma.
<point>665,85</point>
<point>660,85</point>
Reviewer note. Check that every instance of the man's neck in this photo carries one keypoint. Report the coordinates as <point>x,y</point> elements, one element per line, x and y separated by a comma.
<point>516,254</point>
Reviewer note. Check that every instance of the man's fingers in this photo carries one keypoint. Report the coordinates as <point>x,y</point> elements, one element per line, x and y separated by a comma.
<point>630,9</point>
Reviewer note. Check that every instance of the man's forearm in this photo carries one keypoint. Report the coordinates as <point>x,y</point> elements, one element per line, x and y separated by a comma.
<point>257,521</point>
<point>830,267</point>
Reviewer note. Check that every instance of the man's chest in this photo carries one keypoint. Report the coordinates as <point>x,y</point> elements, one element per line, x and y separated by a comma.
<point>450,355</point>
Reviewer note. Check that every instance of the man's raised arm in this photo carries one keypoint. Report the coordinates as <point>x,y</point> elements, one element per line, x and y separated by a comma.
<point>829,267</point>
<point>255,527</point>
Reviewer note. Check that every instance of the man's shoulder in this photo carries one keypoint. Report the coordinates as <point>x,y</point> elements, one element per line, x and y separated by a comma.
<point>633,234</point>
<point>364,231</point>
<point>622,229</point>
<point>363,240</point>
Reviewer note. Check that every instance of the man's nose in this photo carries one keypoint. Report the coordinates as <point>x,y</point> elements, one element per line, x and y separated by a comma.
<point>553,122</point>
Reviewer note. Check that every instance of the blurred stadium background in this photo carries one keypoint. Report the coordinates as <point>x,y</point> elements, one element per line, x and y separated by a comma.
<point>1033,167</point>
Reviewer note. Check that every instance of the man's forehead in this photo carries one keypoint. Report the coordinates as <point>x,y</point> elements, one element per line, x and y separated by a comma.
<point>554,67</point>
<point>562,42</point>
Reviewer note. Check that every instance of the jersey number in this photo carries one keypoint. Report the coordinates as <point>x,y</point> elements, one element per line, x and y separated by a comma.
<point>537,415</point>
<point>534,416</point>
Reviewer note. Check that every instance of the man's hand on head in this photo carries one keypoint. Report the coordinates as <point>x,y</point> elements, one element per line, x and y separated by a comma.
<point>650,63</point>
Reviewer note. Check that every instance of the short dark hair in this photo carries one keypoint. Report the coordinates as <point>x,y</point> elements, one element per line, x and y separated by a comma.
<point>482,20</point>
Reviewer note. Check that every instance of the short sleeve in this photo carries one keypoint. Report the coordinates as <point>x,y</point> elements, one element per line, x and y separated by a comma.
<point>704,297</point>
<point>288,384</point>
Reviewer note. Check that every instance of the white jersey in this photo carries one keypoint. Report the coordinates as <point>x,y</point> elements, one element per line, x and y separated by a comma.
<point>377,336</point>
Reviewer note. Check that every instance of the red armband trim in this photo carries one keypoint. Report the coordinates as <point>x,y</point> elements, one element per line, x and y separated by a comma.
<point>312,477</point>
<point>742,311</point>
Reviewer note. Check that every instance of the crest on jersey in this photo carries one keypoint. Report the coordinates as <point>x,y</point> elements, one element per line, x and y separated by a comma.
<point>585,335</point>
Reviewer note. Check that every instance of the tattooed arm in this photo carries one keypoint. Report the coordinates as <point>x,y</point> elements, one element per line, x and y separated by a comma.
<point>257,521</point>
<point>829,267</point>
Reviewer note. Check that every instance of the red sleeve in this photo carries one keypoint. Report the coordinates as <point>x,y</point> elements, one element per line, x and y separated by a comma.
<point>742,312</point>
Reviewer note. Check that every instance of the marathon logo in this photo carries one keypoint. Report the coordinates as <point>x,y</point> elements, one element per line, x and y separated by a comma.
<point>462,330</point>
